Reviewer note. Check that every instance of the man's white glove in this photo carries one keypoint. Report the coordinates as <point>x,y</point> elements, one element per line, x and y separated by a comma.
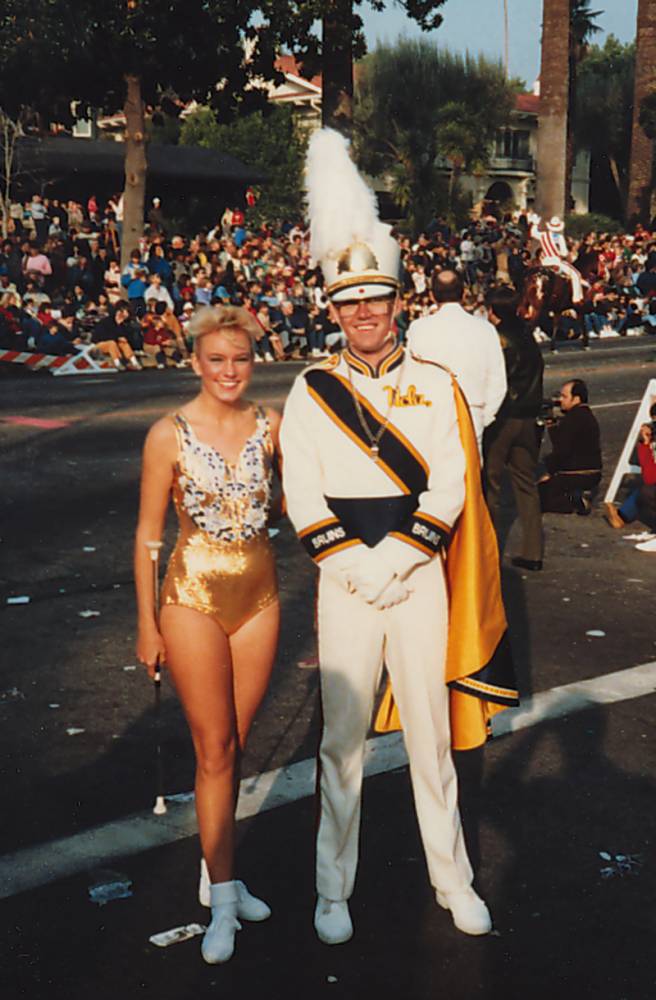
<point>368,574</point>
<point>395,593</point>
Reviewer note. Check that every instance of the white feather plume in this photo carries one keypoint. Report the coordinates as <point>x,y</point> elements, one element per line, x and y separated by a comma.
<point>341,207</point>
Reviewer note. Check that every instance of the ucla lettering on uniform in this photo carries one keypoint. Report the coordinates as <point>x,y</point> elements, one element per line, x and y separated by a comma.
<point>410,398</point>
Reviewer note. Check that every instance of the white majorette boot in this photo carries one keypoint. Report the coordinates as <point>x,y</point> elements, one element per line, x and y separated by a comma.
<point>469,912</point>
<point>332,921</point>
<point>249,907</point>
<point>219,940</point>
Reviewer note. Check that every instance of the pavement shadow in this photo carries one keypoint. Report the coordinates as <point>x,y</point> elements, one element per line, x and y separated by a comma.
<point>571,922</point>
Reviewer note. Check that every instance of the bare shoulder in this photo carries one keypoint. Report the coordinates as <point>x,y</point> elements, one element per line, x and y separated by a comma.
<point>161,440</point>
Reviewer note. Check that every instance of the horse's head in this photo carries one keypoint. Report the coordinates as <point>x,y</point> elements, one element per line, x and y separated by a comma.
<point>532,302</point>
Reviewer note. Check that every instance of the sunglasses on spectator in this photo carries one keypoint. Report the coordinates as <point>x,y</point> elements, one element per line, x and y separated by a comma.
<point>377,306</point>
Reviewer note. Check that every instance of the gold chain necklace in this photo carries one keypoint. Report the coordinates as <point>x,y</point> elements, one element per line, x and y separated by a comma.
<point>374,439</point>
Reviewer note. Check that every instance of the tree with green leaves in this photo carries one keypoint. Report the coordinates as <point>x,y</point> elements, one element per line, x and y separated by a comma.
<point>342,41</point>
<point>416,103</point>
<point>110,54</point>
<point>602,112</point>
<point>269,142</point>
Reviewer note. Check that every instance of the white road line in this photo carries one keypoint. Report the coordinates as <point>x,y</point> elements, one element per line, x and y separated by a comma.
<point>623,402</point>
<point>36,866</point>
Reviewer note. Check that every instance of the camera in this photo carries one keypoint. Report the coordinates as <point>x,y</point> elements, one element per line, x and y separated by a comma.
<point>548,414</point>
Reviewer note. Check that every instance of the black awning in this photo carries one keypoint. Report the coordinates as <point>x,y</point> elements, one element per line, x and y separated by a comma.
<point>56,155</point>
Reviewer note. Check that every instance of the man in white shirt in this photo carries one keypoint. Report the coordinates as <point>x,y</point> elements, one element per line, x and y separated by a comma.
<point>469,346</point>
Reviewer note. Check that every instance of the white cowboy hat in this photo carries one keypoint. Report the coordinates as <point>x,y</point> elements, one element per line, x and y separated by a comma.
<point>556,224</point>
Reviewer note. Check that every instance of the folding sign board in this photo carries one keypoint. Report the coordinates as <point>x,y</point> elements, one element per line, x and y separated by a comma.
<point>624,467</point>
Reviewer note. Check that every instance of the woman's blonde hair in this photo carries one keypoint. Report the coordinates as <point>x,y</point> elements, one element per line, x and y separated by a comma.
<point>223,319</point>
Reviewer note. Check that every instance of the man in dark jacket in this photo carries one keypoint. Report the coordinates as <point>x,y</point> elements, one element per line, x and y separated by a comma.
<point>511,441</point>
<point>574,465</point>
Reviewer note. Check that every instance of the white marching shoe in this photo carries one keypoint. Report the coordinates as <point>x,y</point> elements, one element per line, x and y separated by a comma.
<point>219,940</point>
<point>469,912</point>
<point>332,921</point>
<point>249,907</point>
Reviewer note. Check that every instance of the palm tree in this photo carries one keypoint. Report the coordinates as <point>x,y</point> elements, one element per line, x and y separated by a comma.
<point>640,170</point>
<point>582,28</point>
<point>554,96</point>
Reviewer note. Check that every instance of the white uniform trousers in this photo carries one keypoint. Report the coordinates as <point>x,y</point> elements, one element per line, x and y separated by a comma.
<point>354,639</point>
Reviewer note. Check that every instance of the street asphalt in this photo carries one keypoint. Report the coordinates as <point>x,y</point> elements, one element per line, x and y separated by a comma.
<point>559,816</point>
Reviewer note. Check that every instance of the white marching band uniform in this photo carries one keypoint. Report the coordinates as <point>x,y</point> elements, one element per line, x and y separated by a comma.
<point>337,495</point>
<point>554,252</point>
<point>378,465</point>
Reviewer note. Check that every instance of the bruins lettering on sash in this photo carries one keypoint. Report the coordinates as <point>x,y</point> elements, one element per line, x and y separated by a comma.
<point>410,398</point>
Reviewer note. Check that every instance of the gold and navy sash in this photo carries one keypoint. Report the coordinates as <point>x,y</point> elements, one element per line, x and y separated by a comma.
<point>398,459</point>
<point>479,667</point>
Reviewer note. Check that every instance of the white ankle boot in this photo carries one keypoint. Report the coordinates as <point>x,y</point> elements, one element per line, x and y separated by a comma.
<point>332,921</point>
<point>249,907</point>
<point>469,912</point>
<point>219,940</point>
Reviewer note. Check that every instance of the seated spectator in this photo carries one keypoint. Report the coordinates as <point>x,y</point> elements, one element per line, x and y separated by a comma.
<point>109,335</point>
<point>158,341</point>
<point>12,336</point>
<point>641,503</point>
<point>36,266</point>
<point>54,338</point>
<point>574,465</point>
<point>157,292</point>
<point>135,285</point>
<point>632,319</point>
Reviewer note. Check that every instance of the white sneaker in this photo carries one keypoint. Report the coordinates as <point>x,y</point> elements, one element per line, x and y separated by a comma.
<point>469,912</point>
<point>219,940</point>
<point>332,921</point>
<point>316,353</point>
<point>258,359</point>
<point>268,356</point>
<point>249,907</point>
<point>649,546</point>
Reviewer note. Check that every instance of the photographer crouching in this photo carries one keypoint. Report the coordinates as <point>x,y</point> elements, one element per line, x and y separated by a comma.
<point>574,465</point>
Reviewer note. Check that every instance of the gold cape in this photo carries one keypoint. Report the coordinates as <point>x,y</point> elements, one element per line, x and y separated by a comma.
<point>477,641</point>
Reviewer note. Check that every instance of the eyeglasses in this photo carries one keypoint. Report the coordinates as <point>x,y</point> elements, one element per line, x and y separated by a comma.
<point>377,306</point>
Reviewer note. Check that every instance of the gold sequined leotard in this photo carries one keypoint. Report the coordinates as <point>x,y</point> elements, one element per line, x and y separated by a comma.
<point>222,564</point>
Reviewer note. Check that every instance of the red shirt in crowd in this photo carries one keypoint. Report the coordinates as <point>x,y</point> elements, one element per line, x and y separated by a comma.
<point>647,464</point>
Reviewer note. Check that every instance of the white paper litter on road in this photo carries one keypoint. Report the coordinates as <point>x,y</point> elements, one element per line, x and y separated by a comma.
<point>621,864</point>
<point>567,599</point>
<point>596,633</point>
<point>180,797</point>
<point>54,704</point>
<point>74,731</point>
<point>130,666</point>
<point>88,614</point>
<point>21,599</point>
<point>176,935</point>
<point>88,548</point>
<point>12,694</point>
<point>105,892</point>
<point>332,979</point>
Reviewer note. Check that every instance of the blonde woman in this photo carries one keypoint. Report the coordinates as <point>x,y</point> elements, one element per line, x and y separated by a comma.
<point>219,611</point>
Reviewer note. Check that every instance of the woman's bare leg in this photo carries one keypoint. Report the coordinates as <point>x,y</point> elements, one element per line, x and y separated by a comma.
<point>199,659</point>
<point>253,650</point>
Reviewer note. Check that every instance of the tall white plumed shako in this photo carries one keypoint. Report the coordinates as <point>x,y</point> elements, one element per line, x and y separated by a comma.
<point>358,255</point>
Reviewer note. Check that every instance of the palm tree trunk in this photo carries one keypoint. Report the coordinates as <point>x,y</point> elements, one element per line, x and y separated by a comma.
<point>640,169</point>
<point>337,66</point>
<point>554,98</point>
<point>135,169</point>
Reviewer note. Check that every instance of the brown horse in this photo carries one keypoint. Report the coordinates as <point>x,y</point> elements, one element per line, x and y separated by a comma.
<point>546,296</point>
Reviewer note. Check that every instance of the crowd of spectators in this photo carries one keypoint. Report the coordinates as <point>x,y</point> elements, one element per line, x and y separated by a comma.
<point>61,282</point>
